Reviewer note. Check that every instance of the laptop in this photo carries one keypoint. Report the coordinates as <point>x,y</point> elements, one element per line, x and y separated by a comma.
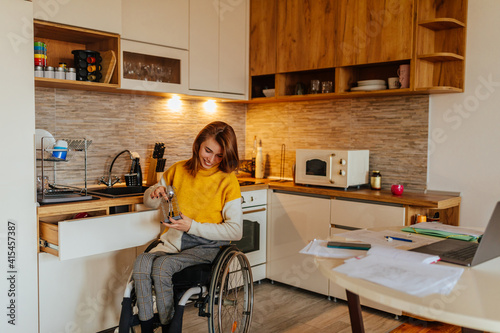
<point>467,253</point>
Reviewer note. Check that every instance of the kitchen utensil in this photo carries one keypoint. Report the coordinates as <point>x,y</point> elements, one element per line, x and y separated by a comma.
<point>60,149</point>
<point>170,206</point>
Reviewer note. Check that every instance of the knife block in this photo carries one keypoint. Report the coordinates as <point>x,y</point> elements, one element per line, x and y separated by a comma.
<point>154,176</point>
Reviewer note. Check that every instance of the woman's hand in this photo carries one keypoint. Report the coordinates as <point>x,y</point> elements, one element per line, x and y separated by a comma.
<point>159,192</point>
<point>182,224</point>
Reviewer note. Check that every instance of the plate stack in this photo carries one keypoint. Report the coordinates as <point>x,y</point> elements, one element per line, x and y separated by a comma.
<point>370,85</point>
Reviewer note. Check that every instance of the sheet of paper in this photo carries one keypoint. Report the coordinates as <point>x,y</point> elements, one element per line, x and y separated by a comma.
<point>413,278</point>
<point>318,248</point>
<point>378,238</point>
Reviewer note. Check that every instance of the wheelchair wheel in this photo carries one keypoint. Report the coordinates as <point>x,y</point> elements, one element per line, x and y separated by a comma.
<point>230,301</point>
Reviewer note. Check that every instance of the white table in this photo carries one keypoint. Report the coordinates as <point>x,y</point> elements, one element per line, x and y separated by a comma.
<point>473,304</point>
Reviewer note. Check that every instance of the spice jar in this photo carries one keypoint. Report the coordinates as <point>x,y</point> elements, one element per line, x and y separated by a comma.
<point>60,73</point>
<point>71,74</point>
<point>376,180</point>
<point>49,72</point>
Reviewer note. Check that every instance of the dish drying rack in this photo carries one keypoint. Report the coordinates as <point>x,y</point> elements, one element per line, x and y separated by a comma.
<point>58,193</point>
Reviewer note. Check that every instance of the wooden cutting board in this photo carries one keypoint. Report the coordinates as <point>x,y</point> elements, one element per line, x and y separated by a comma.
<point>108,65</point>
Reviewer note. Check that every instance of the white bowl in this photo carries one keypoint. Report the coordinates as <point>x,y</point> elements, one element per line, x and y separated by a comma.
<point>268,92</point>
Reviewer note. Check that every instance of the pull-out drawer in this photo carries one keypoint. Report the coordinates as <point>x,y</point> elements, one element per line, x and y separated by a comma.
<point>78,238</point>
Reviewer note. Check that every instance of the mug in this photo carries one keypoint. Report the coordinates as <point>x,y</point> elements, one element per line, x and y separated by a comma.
<point>393,83</point>
<point>404,75</point>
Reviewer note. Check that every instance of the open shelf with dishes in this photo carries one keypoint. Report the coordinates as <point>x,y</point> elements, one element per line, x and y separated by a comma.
<point>62,40</point>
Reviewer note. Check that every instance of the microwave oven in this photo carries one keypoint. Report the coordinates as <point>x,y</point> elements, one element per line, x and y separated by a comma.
<point>332,167</point>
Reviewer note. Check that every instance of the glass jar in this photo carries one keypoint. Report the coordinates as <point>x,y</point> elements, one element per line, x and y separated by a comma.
<point>376,180</point>
<point>60,73</point>
<point>71,74</point>
<point>38,71</point>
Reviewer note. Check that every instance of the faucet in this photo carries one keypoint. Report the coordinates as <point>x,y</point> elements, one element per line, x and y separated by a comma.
<point>109,182</point>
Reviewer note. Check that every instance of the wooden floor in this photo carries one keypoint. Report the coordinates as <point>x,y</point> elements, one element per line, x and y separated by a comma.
<point>281,308</point>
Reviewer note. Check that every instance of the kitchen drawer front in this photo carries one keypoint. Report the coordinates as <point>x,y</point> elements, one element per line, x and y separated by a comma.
<point>86,237</point>
<point>365,214</point>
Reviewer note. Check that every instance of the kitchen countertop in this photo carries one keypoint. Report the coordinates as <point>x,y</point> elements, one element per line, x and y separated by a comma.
<point>408,198</point>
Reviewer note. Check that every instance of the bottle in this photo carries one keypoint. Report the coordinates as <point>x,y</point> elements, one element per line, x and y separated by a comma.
<point>259,162</point>
<point>376,180</point>
<point>254,154</point>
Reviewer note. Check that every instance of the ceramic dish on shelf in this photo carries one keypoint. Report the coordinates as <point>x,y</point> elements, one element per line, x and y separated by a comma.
<point>371,83</point>
<point>369,88</point>
<point>48,142</point>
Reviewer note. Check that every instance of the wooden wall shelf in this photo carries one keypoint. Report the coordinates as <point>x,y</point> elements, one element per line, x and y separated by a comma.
<point>440,56</point>
<point>442,24</point>
<point>61,40</point>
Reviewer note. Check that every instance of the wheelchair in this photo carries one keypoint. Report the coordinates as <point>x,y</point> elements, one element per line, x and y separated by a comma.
<point>222,292</point>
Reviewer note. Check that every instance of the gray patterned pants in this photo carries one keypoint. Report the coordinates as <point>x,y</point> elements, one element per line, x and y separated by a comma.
<point>158,268</point>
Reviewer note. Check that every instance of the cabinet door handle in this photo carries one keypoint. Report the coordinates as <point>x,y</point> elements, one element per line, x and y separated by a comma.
<point>263,209</point>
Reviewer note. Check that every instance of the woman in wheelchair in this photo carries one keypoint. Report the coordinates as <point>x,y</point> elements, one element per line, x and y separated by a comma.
<point>209,199</point>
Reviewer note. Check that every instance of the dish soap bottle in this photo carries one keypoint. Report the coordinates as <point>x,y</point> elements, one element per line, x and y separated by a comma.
<point>254,154</point>
<point>259,162</point>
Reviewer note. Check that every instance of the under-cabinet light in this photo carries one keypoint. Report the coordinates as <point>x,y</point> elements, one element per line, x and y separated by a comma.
<point>210,105</point>
<point>174,103</point>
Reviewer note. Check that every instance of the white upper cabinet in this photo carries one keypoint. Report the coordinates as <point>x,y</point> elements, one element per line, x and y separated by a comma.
<point>218,48</point>
<point>90,14</point>
<point>162,22</point>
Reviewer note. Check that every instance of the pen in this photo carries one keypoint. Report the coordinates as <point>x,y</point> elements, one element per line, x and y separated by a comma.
<point>399,239</point>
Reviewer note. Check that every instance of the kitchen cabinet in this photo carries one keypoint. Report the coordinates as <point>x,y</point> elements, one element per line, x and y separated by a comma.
<point>350,214</point>
<point>161,22</point>
<point>61,40</point>
<point>263,20</point>
<point>374,31</point>
<point>305,35</point>
<point>218,48</point>
<point>83,294</point>
<point>90,14</point>
<point>371,40</point>
<point>295,220</point>
<point>153,68</point>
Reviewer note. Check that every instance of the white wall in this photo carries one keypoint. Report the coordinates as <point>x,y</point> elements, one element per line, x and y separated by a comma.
<point>464,133</point>
<point>17,186</point>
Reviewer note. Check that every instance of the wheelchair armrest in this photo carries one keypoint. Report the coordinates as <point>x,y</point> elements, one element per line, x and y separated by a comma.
<point>152,245</point>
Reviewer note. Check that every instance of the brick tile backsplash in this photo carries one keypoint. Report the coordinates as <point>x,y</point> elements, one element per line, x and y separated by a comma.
<point>394,129</point>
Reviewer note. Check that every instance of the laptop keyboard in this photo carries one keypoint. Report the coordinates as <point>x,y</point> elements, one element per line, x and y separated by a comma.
<point>463,253</point>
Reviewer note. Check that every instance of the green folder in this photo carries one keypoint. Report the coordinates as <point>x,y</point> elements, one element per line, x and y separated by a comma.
<point>442,234</point>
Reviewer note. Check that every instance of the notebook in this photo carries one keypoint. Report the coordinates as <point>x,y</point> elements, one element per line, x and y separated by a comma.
<point>467,253</point>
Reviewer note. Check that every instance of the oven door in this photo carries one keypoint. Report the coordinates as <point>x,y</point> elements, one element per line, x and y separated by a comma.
<point>253,242</point>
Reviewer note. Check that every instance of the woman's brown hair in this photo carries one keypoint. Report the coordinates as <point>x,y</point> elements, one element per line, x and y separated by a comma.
<point>225,137</point>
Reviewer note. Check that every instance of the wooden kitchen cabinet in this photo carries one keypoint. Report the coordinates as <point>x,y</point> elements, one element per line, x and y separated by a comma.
<point>263,20</point>
<point>161,22</point>
<point>295,220</point>
<point>305,35</point>
<point>372,31</point>
<point>88,14</point>
<point>218,48</point>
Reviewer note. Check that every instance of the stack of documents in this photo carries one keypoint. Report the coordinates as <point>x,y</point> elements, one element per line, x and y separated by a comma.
<point>319,248</point>
<point>409,272</point>
<point>443,230</point>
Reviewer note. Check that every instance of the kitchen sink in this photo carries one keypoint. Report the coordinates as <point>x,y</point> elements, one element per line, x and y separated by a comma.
<point>118,192</point>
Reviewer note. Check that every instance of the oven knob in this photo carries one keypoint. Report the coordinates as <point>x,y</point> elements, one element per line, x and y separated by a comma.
<point>342,172</point>
<point>342,161</point>
<point>242,200</point>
